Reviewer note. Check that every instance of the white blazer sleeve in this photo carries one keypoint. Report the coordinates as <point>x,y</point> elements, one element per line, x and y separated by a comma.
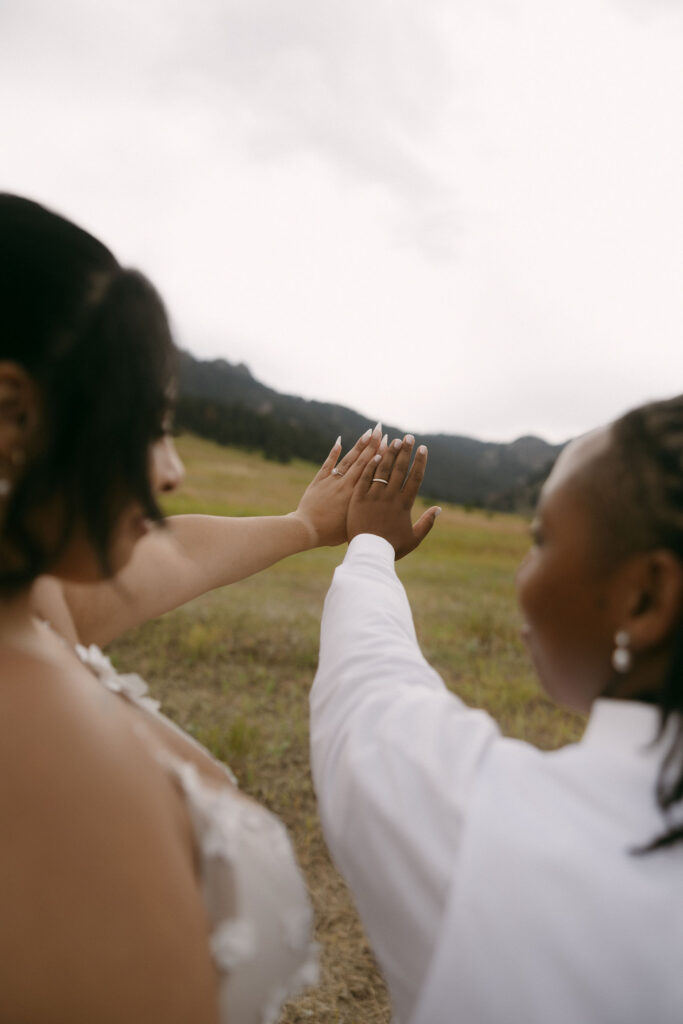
<point>394,757</point>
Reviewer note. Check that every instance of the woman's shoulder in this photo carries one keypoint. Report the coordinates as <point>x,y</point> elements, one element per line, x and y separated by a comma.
<point>33,688</point>
<point>44,718</point>
<point>64,750</point>
<point>86,840</point>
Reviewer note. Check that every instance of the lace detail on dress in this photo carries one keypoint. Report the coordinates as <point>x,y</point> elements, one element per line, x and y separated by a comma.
<point>255,896</point>
<point>233,942</point>
<point>130,684</point>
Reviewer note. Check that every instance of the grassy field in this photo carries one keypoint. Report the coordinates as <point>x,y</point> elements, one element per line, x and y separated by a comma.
<point>234,668</point>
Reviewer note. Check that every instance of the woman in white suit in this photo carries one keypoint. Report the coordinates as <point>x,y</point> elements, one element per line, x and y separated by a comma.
<point>498,882</point>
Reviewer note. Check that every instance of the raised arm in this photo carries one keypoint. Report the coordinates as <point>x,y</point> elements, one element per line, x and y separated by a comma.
<point>394,754</point>
<point>195,553</point>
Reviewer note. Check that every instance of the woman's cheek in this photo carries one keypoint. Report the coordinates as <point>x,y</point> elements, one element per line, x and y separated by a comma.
<point>524,583</point>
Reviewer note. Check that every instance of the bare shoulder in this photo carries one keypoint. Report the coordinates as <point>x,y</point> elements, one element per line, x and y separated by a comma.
<point>93,867</point>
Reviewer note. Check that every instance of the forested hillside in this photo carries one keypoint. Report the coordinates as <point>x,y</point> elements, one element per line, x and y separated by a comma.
<point>224,402</point>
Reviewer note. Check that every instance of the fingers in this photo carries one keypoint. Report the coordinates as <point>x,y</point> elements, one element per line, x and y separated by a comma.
<point>369,440</point>
<point>425,523</point>
<point>360,465</point>
<point>335,452</point>
<point>383,467</point>
<point>402,452</point>
<point>353,474</point>
<point>369,470</point>
<point>372,458</point>
<point>393,465</point>
<point>416,475</point>
<point>380,466</point>
<point>419,531</point>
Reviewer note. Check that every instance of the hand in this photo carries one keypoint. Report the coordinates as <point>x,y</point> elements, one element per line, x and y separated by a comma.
<point>325,501</point>
<point>385,508</point>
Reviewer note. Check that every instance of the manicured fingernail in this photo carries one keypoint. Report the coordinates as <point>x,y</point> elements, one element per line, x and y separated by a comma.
<point>366,436</point>
<point>422,450</point>
<point>409,439</point>
<point>385,440</point>
<point>338,442</point>
<point>377,432</point>
<point>376,458</point>
<point>437,512</point>
<point>396,443</point>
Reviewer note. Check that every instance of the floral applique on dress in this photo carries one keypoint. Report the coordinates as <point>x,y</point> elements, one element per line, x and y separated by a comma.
<point>253,890</point>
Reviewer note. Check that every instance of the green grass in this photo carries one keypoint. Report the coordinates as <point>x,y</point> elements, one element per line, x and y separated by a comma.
<point>234,668</point>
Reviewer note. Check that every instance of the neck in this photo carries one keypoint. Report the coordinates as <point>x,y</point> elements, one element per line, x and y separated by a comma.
<point>17,618</point>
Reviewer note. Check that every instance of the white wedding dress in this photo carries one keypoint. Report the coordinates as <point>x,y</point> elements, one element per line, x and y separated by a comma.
<point>263,950</point>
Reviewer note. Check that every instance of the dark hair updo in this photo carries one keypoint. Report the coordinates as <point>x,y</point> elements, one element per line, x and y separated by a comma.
<point>646,485</point>
<point>95,339</point>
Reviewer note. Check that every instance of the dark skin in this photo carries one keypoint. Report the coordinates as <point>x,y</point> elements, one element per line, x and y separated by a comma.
<point>386,509</point>
<point>573,602</point>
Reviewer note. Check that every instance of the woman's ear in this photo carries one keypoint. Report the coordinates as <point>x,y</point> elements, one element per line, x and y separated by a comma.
<point>657,599</point>
<point>18,412</point>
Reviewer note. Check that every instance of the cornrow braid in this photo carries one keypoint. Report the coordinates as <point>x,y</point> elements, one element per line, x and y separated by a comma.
<point>649,442</point>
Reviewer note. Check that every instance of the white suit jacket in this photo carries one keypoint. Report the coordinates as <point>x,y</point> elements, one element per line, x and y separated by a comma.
<point>496,882</point>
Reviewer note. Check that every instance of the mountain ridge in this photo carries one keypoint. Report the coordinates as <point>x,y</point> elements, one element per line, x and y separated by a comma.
<point>224,401</point>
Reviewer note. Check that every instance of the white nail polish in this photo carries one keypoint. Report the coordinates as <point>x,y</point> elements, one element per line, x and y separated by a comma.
<point>385,440</point>
<point>396,443</point>
<point>366,436</point>
<point>338,442</point>
<point>377,432</point>
<point>437,512</point>
<point>410,439</point>
<point>422,450</point>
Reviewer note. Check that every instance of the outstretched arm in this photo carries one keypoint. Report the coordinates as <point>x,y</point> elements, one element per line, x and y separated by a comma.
<point>195,553</point>
<point>393,753</point>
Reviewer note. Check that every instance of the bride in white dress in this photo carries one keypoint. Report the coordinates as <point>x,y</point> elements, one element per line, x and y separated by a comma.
<point>136,883</point>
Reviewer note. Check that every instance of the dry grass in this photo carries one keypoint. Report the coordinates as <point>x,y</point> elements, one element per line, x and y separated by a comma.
<point>235,667</point>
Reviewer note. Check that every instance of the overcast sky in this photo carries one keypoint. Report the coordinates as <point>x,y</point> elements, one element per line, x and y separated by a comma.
<point>460,216</point>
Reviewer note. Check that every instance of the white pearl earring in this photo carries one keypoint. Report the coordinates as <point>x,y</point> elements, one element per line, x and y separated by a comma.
<point>621,656</point>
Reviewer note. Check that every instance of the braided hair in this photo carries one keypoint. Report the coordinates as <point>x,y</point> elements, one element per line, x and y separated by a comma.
<point>647,444</point>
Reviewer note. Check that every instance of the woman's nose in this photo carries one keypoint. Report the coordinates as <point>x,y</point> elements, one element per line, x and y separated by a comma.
<point>168,470</point>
